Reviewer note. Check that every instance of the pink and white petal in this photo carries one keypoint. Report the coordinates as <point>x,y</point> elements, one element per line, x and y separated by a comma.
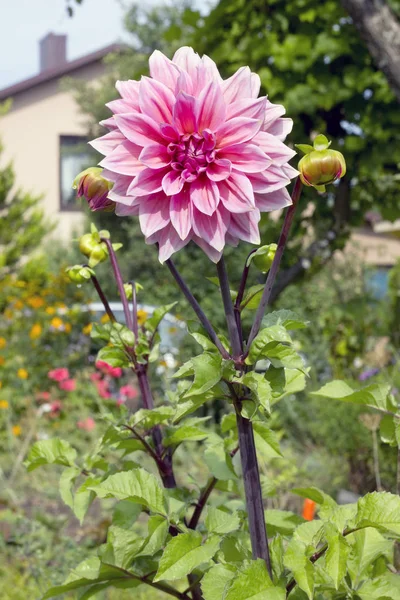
<point>124,159</point>
<point>231,239</point>
<point>149,181</point>
<point>237,193</point>
<point>211,229</point>
<point>281,128</point>
<point>273,201</point>
<point>106,143</point>
<point>156,100</point>
<point>153,214</point>
<point>120,106</point>
<point>245,226</point>
<point>184,113</point>
<point>139,129</point>
<point>184,84</point>
<point>236,131</point>
<point>172,183</point>
<point>290,171</point>
<point>168,241</point>
<point>247,107</point>
<point>109,123</point>
<point>180,213</point>
<point>155,156</point>
<point>274,148</point>
<point>204,195</point>
<point>270,180</point>
<point>210,107</point>
<point>211,69</point>
<point>186,58</point>
<point>163,69</point>
<point>219,170</point>
<point>272,112</point>
<point>212,253</point>
<point>247,158</point>
<point>238,86</point>
<point>123,210</point>
<point>255,84</point>
<point>129,91</point>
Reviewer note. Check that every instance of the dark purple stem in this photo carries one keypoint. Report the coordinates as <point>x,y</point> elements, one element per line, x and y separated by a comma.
<point>103,298</point>
<point>240,295</point>
<point>134,310</point>
<point>248,455</point>
<point>201,503</point>
<point>276,263</point>
<point>120,282</point>
<point>196,307</point>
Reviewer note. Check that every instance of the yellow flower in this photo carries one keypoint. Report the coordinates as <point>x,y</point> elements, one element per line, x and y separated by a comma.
<point>141,316</point>
<point>61,305</point>
<point>68,327</point>
<point>18,305</point>
<point>35,331</point>
<point>22,374</point>
<point>3,342</point>
<point>2,360</point>
<point>35,301</point>
<point>8,314</point>
<point>56,322</point>
<point>50,310</point>
<point>20,284</point>
<point>4,404</point>
<point>105,318</point>
<point>1,384</point>
<point>16,430</point>
<point>87,329</point>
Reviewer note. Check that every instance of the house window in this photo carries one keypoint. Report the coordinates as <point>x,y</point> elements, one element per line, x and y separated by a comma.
<point>74,157</point>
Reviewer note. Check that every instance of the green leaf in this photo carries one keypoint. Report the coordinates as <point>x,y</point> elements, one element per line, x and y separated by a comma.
<point>305,148</point>
<point>126,513</point>
<point>367,545</point>
<point>191,431</point>
<point>215,582</point>
<point>100,333</point>
<point>153,322</point>
<point>266,440</point>
<point>48,452</point>
<point>184,553</point>
<point>207,370</point>
<point>84,497</point>
<point>315,494</point>
<point>281,521</point>
<point>200,335</point>
<point>386,587</point>
<point>252,297</point>
<point>380,510</point>
<point>114,356</point>
<point>321,142</point>
<point>260,387</point>
<point>375,395</point>
<point>283,356</point>
<point>219,462</point>
<point>120,335</point>
<point>262,341</point>
<point>148,418</point>
<point>220,521</point>
<point>157,534</point>
<point>253,583</point>
<point>336,558</point>
<point>67,480</point>
<point>136,485</point>
<point>121,548</point>
<point>297,561</point>
<point>286,318</point>
<point>387,430</point>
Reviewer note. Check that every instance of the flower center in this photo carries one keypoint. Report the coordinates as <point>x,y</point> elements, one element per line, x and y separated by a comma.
<point>192,154</point>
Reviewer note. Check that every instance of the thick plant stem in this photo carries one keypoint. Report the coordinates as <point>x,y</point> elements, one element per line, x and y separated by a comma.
<point>247,447</point>
<point>196,307</point>
<point>119,282</point>
<point>269,284</point>
<point>103,298</point>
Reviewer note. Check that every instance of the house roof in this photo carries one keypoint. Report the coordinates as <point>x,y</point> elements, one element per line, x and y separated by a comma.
<point>60,71</point>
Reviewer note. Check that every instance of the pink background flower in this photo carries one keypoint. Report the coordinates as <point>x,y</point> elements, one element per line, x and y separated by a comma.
<point>69,385</point>
<point>194,156</point>
<point>58,374</point>
<point>87,424</point>
<point>108,369</point>
<point>128,391</point>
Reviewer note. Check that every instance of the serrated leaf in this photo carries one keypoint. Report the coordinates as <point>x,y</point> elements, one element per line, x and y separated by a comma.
<point>136,485</point>
<point>126,513</point>
<point>113,356</point>
<point>220,521</point>
<point>262,341</point>
<point>149,418</point>
<point>285,318</point>
<point>253,583</point>
<point>297,561</point>
<point>207,369</point>
<point>281,521</point>
<point>83,498</point>
<point>192,430</point>
<point>375,395</point>
<point>260,387</point>
<point>219,462</point>
<point>121,335</point>
<point>48,452</point>
<point>367,545</point>
<point>315,494</point>
<point>380,510</point>
<point>387,430</point>
<point>67,480</point>
<point>252,297</point>
<point>157,534</point>
<point>153,322</point>
<point>184,553</point>
<point>386,587</point>
<point>336,558</point>
<point>266,440</point>
<point>216,581</point>
<point>121,547</point>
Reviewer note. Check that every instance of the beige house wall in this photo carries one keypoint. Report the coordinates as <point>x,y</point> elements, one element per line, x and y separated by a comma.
<point>30,134</point>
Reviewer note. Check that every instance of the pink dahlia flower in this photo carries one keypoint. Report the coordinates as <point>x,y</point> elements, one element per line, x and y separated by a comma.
<point>68,385</point>
<point>194,156</point>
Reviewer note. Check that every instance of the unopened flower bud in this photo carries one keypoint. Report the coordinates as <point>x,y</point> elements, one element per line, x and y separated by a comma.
<point>263,258</point>
<point>79,273</point>
<point>320,166</point>
<point>129,291</point>
<point>94,188</point>
<point>98,254</point>
<point>87,243</point>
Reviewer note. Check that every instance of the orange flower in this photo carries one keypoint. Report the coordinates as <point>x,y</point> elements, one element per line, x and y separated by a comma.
<point>35,301</point>
<point>8,314</point>
<point>3,342</point>
<point>35,331</point>
<point>309,509</point>
<point>4,404</point>
<point>2,361</point>
<point>16,430</point>
<point>57,323</point>
<point>22,374</point>
<point>50,310</point>
<point>18,305</point>
<point>68,327</point>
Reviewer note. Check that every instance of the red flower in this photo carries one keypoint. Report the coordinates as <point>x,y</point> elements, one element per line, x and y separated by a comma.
<point>108,369</point>
<point>60,374</point>
<point>55,406</point>
<point>128,391</point>
<point>87,424</point>
<point>102,389</point>
<point>43,396</point>
<point>69,385</point>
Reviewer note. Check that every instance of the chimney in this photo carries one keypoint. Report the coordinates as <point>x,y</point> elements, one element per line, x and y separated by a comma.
<point>53,51</point>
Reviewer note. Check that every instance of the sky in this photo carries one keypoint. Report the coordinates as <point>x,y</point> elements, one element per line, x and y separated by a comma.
<point>96,23</point>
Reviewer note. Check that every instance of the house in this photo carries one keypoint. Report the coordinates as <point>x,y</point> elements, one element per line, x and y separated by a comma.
<point>44,133</point>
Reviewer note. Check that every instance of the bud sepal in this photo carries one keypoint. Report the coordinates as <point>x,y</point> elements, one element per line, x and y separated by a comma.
<point>320,166</point>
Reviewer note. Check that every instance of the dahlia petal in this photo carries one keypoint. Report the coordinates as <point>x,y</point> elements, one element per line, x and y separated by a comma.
<point>272,112</point>
<point>153,214</point>
<point>184,84</point>
<point>109,123</point>
<point>247,107</point>
<point>212,228</point>
<point>273,201</point>
<point>172,183</point>
<point>210,107</point>
<point>219,170</point>
<point>162,69</point>
<point>255,83</point>
<point>212,253</point>
<point>245,226</point>
<point>168,241</point>
<point>211,69</point>
<point>281,128</point>
<point>156,100</point>
<point>155,156</point>
<point>129,90</point>
<point>186,58</point>
<point>246,157</point>
<point>237,130</point>
<point>119,192</point>
<point>139,129</point>
<point>290,171</point>
<point>124,159</point>
<point>120,106</point>
<point>276,150</point>
<point>179,210</point>
<point>107,142</point>
<point>147,182</point>
<point>122,210</point>
<point>184,113</point>
<point>237,193</point>
<point>269,181</point>
<point>238,86</point>
<point>204,194</point>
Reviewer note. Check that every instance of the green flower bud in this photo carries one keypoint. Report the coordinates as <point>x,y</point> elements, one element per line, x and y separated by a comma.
<point>263,257</point>
<point>128,289</point>
<point>98,254</point>
<point>79,273</point>
<point>320,166</point>
<point>94,188</point>
<point>87,243</point>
